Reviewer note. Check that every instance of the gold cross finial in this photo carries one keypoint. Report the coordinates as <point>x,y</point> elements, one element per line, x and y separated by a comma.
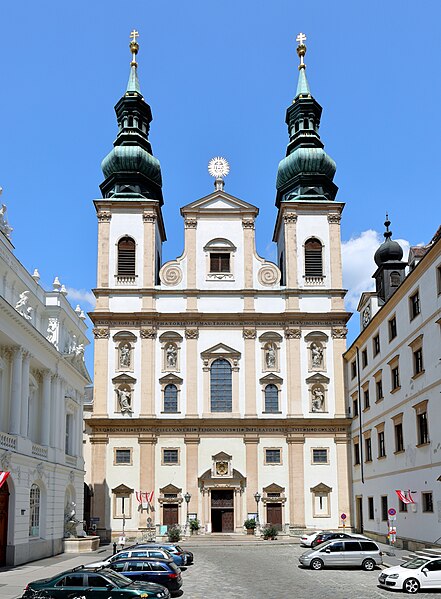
<point>134,46</point>
<point>133,35</point>
<point>301,48</point>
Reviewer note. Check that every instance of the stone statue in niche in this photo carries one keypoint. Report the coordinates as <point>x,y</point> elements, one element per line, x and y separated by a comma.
<point>125,400</point>
<point>52,330</point>
<point>124,355</point>
<point>318,400</point>
<point>22,305</point>
<point>171,355</point>
<point>270,356</point>
<point>316,355</point>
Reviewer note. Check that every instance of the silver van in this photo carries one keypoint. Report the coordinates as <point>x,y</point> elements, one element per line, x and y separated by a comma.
<point>343,552</point>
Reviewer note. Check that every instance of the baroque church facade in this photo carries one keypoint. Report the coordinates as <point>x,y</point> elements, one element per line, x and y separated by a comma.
<point>218,375</point>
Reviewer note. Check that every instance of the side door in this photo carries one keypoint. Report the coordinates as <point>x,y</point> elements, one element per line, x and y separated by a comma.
<point>161,573</point>
<point>69,585</point>
<point>98,587</point>
<point>333,554</point>
<point>431,574</point>
<point>352,553</point>
<point>138,570</point>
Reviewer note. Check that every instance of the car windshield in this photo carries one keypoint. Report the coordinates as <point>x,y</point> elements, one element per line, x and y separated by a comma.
<point>118,579</point>
<point>414,563</point>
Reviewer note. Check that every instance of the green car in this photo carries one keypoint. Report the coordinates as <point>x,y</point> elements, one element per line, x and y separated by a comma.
<point>92,583</point>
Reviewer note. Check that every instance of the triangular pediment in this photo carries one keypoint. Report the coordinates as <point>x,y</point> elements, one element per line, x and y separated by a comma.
<point>270,378</point>
<point>170,378</point>
<point>122,489</point>
<point>219,201</point>
<point>222,456</point>
<point>170,489</point>
<point>274,488</point>
<point>317,378</point>
<point>321,488</point>
<point>220,350</point>
<point>124,378</point>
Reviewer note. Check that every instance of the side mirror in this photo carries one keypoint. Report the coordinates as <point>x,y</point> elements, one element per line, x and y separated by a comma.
<point>328,550</point>
<point>425,570</point>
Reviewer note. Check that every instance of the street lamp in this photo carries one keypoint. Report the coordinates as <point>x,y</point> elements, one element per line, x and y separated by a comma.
<point>187,498</point>
<point>257,497</point>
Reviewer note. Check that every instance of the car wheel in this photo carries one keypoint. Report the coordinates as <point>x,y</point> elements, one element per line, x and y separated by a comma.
<point>368,564</point>
<point>411,585</point>
<point>317,564</point>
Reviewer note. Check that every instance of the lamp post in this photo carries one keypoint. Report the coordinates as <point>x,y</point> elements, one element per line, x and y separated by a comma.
<point>187,498</point>
<point>257,497</point>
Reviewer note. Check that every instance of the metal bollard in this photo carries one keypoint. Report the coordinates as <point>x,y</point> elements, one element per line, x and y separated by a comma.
<point>114,548</point>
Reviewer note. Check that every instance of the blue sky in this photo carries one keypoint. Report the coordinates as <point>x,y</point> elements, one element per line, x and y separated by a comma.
<point>219,77</point>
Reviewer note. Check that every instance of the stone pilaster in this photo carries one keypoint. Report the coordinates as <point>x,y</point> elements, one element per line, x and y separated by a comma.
<point>149,258</point>
<point>296,481</point>
<point>192,361</point>
<point>252,472</point>
<point>342,449</point>
<point>148,361</point>
<point>101,372</point>
<point>191,224</point>
<point>291,252</point>
<point>248,251</point>
<point>101,492</point>
<point>45,416</point>
<point>16,390</point>
<point>104,218</point>
<point>191,469</point>
<point>339,348</point>
<point>147,465</point>
<point>25,394</point>
<point>293,369</point>
<point>249,336</point>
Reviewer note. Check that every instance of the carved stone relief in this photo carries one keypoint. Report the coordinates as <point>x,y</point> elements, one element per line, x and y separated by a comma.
<point>269,275</point>
<point>171,274</point>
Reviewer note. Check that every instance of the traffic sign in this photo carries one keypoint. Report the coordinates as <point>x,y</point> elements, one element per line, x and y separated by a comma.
<point>391,511</point>
<point>343,516</point>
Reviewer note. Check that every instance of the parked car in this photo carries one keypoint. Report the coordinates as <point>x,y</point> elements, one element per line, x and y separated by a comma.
<point>329,536</point>
<point>345,552</point>
<point>413,575</point>
<point>163,572</point>
<point>171,548</point>
<point>152,552</point>
<point>306,540</point>
<point>92,583</point>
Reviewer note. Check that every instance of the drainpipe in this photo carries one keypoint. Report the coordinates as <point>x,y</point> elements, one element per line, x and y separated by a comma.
<point>360,446</point>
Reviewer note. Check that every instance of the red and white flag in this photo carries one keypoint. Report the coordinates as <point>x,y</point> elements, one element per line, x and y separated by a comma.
<point>405,496</point>
<point>3,477</point>
<point>144,497</point>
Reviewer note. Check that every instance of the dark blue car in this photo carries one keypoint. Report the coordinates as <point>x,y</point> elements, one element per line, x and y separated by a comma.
<point>164,572</point>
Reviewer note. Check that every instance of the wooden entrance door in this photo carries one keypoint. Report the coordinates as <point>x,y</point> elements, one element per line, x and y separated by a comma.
<point>4,506</point>
<point>274,514</point>
<point>227,521</point>
<point>170,514</point>
<point>222,510</point>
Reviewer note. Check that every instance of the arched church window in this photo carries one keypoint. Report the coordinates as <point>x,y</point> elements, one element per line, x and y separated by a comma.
<point>126,257</point>
<point>313,258</point>
<point>221,395</point>
<point>271,398</point>
<point>171,398</point>
<point>34,511</point>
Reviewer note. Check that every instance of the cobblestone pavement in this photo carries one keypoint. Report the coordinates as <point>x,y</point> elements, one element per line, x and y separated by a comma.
<point>273,572</point>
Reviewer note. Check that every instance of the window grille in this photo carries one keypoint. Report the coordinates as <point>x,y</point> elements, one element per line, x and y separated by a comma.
<point>271,398</point>
<point>126,257</point>
<point>123,456</point>
<point>272,456</point>
<point>171,398</point>
<point>170,456</point>
<point>221,386</point>
<point>320,456</point>
<point>313,258</point>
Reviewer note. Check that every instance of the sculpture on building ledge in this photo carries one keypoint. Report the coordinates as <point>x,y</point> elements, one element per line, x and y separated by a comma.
<point>22,305</point>
<point>124,355</point>
<point>270,356</point>
<point>318,400</point>
<point>125,400</point>
<point>316,355</point>
<point>4,225</point>
<point>70,521</point>
<point>171,354</point>
<point>52,331</point>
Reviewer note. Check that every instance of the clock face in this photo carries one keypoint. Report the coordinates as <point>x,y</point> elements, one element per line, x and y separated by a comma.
<point>366,315</point>
<point>221,468</point>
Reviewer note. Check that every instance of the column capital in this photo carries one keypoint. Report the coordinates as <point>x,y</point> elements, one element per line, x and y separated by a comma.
<point>293,334</point>
<point>16,351</point>
<point>248,223</point>
<point>104,216</point>
<point>192,440</point>
<point>149,217</point>
<point>294,439</point>
<point>147,439</point>
<point>339,332</point>
<point>191,333</point>
<point>99,439</point>
<point>290,218</point>
<point>251,439</point>
<point>249,333</point>
<point>334,219</point>
<point>101,333</point>
<point>341,439</point>
<point>148,333</point>
<point>190,223</point>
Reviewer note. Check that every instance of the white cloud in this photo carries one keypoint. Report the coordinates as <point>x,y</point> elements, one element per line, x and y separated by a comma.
<point>359,266</point>
<point>81,296</point>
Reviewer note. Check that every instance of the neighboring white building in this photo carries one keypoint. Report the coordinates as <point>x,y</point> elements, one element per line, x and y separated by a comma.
<point>393,382</point>
<point>42,380</point>
<point>218,374</point>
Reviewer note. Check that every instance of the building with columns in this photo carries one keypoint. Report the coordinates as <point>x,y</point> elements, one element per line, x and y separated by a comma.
<point>218,374</point>
<point>42,380</point>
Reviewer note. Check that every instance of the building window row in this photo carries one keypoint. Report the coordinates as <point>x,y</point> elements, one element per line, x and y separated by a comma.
<point>426,505</point>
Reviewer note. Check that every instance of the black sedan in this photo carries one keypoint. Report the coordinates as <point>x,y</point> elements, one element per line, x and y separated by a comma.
<point>161,571</point>
<point>329,536</point>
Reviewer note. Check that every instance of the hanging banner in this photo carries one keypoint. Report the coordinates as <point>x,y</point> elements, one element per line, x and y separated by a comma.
<point>405,496</point>
<point>3,477</point>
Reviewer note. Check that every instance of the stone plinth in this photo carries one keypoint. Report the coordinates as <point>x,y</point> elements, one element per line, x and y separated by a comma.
<point>81,544</point>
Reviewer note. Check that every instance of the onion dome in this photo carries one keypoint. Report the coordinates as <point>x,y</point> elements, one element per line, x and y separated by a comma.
<point>130,169</point>
<point>307,171</point>
<point>389,250</point>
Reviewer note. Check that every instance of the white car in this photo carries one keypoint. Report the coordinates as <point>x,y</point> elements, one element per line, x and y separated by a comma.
<point>306,540</point>
<point>153,553</point>
<point>413,575</point>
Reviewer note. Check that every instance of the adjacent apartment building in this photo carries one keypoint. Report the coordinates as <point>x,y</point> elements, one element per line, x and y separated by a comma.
<point>393,382</point>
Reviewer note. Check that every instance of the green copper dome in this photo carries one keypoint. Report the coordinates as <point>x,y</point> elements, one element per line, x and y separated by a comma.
<point>132,159</point>
<point>305,160</point>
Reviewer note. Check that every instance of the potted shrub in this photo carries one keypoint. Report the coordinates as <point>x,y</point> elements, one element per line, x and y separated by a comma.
<point>194,526</point>
<point>250,525</point>
<point>174,534</point>
<point>270,532</point>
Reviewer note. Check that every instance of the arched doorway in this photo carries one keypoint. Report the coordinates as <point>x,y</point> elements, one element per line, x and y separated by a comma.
<point>4,509</point>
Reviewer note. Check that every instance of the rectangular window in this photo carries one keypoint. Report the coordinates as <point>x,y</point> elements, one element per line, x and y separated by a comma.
<point>381,445</point>
<point>273,456</point>
<point>438,279</point>
<point>170,456</point>
<point>384,508</point>
<point>395,375</point>
<point>366,399</point>
<point>399,439</point>
<point>423,428</point>
<point>353,369</point>
<point>418,361</point>
<point>364,358</point>
<point>355,407</point>
<point>379,390</point>
<point>219,262</point>
<point>371,513</point>
<point>376,345</point>
<point>427,502</point>
<point>319,456</point>
<point>392,328</point>
<point>68,439</point>
<point>368,449</point>
<point>122,505</point>
<point>356,454</point>
<point>123,456</point>
<point>402,507</point>
<point>414,305</point>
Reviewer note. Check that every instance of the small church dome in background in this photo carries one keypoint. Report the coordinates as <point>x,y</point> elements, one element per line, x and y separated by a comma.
<point>389,250</point>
